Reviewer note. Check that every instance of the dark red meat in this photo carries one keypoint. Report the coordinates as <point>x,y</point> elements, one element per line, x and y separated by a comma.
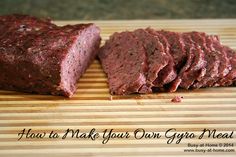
<point>213,62</point>
<point>177,50</point>
<point>40,57</point>
<point>230,78</point>
<point>164,60</point>
<point>193,65</point>
<point>157,58</point>
<point>188,46</point>
<point>124,60</point>
<point>198,62</point>
<point>168,73</point>
<point>200,42</point>
<point>225,64</point>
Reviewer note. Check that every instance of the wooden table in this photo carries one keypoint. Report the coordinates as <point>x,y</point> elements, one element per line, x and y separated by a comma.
<point>93,107</point>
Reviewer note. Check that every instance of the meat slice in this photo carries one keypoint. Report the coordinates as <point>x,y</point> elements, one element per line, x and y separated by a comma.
<point>197,68</point>
<point>190,51</point>
<point>177,50</point>
<point>40,57</point>
<point>168,73</point>
<point>199,40</point>
<point>213,62</point>
<point>225,66</point>
<point>157,58</point>
<point>124,60</point>
<point>230,78</point>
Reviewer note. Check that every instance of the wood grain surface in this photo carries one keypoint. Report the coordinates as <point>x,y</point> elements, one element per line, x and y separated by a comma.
<point>93,107</point>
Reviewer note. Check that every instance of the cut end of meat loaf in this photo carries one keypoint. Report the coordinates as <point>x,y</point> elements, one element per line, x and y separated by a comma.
<point>80,55</point>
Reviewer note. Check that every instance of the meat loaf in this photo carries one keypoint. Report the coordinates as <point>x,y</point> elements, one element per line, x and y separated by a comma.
<point>39,57</point>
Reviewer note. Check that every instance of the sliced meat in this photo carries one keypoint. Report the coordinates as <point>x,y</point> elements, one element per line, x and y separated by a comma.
<point>212,60</point>
<point>166,60</point>
<point>230,78</point>
<point>177,50</point>
<point>197,68</point>
<point>189,49</point>
<point>225,66</point>
<point>199,40</point>
<point>157,58</point>
<point>39,57</point>
<point>123,58</point>
<point>168,73</point>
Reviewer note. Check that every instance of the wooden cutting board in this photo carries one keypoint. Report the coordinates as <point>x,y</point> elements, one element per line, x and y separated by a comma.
<point>93,107</point>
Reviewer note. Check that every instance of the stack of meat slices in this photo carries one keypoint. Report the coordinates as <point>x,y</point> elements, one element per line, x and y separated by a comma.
<point>146,60</point>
